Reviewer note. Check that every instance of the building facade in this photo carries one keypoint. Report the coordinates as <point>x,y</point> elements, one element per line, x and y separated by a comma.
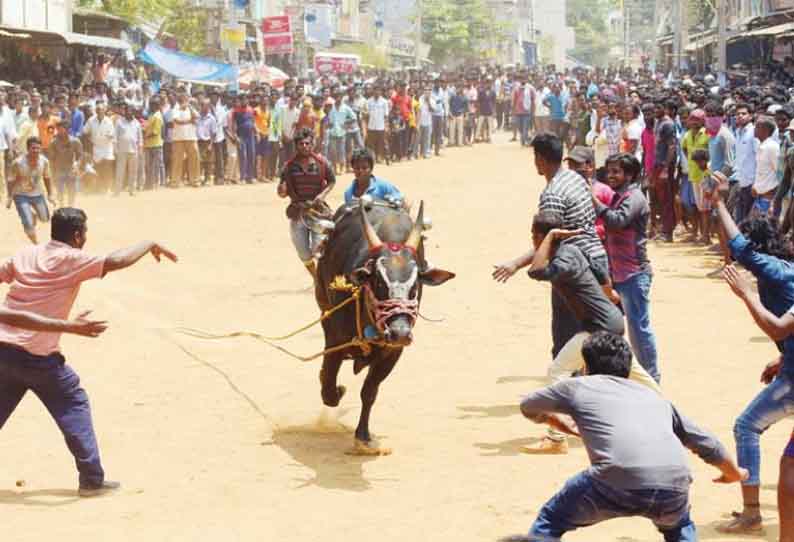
<point>37,15</point>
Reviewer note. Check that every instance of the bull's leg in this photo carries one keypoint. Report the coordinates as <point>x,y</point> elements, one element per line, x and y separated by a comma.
<point>331,393</point>
<point>377,373</point>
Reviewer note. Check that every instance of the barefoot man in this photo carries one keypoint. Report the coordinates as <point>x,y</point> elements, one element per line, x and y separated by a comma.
<point>45,280</point>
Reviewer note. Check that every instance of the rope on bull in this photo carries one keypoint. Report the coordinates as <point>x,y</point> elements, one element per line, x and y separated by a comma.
<point>339,284</point>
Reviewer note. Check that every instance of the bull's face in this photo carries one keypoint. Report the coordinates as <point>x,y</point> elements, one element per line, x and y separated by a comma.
<point>392,278</point>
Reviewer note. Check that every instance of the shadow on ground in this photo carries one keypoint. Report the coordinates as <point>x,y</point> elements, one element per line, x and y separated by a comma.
<point>513,379</point>
<point>320,447</point>
<point>509,448</point>
<point>39,497</point>
<point>709,532</point>
<point>493,411</point>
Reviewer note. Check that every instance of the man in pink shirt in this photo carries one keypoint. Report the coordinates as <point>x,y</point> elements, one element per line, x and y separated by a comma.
<point>44,280</point>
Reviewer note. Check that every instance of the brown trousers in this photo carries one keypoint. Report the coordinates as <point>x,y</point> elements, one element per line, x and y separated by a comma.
<point>180,151</point>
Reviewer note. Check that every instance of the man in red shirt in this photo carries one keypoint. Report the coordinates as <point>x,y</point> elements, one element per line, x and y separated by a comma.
<point>307,179</point>
<point>403,103</point>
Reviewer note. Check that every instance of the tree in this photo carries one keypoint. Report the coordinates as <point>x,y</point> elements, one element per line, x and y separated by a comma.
<point>178,18</point>
<point>589,21</point>
<point>461,29</point>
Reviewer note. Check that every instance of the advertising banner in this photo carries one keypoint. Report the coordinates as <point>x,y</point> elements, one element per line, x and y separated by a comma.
<point>325,63</point>
<point>277,35</point>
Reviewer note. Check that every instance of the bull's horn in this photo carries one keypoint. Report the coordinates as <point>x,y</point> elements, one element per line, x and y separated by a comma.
<point>416,233</point>
<point>369,232</point>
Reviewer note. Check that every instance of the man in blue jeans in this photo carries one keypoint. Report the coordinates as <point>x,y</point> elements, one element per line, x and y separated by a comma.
<point>636,441</point>
<point>45,280</point>
<point>761,249</point>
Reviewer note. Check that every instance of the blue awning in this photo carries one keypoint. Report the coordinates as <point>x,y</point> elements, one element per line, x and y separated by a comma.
<point>188,67</point>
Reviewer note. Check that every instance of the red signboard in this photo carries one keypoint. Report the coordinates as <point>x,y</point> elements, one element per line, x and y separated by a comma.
<point>276,35</point>
<point>335,64</point>
<point>276,25</point>
<point>277,44</point>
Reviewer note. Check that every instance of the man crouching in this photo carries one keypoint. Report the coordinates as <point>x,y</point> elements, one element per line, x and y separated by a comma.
<point>635,440</point>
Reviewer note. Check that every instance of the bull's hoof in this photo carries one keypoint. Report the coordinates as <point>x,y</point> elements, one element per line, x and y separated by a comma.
<point>334,401</point>
<point>368,449</point>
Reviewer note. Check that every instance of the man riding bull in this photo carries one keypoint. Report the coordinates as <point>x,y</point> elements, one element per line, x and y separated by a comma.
<point>365,183</point>
<point>307,179</point>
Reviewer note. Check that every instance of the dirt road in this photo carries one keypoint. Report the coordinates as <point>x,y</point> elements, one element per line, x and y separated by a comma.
<point>229,441</point>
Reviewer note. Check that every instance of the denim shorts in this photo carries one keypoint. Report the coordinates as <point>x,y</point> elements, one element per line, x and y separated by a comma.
<point>27,205</point>
<point>687,193</point>
<point>263,147</point>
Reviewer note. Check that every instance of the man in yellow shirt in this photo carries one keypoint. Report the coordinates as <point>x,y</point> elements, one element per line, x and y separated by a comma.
<point>153,146</point>
<point>262,127</point>
<point>695,139</point>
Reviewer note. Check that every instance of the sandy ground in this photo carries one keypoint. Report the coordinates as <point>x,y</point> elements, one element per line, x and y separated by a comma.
<point>229,440</point>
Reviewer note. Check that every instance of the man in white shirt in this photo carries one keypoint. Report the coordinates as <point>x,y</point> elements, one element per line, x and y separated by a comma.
<point>129,148</point>
<point>542,115</point>
<point>219,145</point>
<point>8,136</point>
<point>290,116</point>
<point>101,133</point>
<point>766,179</point>
<point>427,108</point>
<point>378,109</point>
<point>632,130</point>
<point>184,142</point>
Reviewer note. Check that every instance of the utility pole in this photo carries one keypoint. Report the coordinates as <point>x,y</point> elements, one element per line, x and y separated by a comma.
<point>232,22</point>
<point>682,33</point>
<point>722,43</point>
<point>418,33</point>
<point>626,31</point>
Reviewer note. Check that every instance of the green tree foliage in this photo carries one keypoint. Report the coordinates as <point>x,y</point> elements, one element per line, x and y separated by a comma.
<point>461,29</point>
<point>177,17</point>
<point>589,21</point>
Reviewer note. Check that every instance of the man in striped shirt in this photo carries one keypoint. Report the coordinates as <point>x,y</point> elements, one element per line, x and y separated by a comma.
<point>567,195</point>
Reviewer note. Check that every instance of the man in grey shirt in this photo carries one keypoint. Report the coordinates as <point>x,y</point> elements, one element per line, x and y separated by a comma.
<point>636,442</point>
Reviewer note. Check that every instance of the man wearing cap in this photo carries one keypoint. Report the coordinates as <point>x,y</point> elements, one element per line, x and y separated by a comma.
<point>582,160</point>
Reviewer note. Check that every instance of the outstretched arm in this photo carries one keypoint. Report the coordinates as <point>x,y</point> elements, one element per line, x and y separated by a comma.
<point>504,271</point>
<point>125,257</point>
<point>35,322</point>
<point>708,448</point>
<point>775,328</point>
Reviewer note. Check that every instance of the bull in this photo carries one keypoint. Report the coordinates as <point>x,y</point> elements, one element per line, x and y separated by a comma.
<point>379,249</point>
